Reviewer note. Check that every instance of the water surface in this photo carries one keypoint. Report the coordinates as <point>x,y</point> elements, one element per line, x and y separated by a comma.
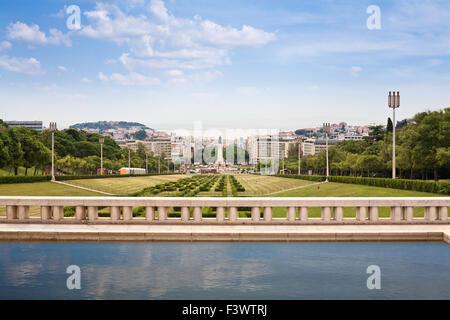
<point>37,270</point>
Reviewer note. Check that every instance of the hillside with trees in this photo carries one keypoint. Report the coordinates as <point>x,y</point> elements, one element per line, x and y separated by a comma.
<point>422,152</point>
<point>102,126</point>
<point>76,152</point>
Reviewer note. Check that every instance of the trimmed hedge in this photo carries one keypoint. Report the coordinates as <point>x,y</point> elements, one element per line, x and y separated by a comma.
<point>403,184</point>
<point>23,179</point>
<point>29,179</point>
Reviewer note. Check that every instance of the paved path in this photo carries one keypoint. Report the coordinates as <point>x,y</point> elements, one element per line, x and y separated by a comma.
<point>96,232</point>
<point>84,188</point>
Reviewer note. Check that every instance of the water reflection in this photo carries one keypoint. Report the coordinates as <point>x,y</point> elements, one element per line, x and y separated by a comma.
<point>224,270</point>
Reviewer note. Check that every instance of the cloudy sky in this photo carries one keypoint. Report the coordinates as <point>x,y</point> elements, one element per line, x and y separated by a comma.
<point>227,63</point>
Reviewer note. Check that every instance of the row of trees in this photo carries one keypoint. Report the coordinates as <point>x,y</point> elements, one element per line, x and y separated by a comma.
<point>22,147</point>
<point>76,152</point>
<point>423,151</point>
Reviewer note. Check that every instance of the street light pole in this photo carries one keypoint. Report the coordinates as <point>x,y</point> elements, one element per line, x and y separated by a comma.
<point>299,156</point>
<point>101,141</point>
<point>326,129</point>
<point>394,103</point>
<point>159,165</point>
<point>146,163</point>
<point>129,160</point>
<point>52,130</point>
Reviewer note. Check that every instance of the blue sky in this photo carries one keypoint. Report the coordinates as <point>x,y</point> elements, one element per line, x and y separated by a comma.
<point>230,64</point>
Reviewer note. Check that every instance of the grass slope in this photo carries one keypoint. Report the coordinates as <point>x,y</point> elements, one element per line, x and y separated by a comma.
<point>259,185</point>
<point>126,185</point>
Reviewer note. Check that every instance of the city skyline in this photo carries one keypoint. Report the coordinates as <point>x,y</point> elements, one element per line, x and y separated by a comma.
<point>284,65</point>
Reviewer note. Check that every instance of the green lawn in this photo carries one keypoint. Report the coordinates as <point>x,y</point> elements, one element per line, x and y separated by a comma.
<point>332,189</point>
<point>41,189</point>
<point>126,185</point>
<point>259,185</point>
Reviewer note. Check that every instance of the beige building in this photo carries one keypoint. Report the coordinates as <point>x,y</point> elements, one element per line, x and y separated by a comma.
<point>311,147</point>
<point>157,147</point>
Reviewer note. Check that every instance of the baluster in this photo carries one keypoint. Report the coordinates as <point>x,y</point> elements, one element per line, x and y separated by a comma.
<point>256,214</point>
<point>409,213</point>
<point>303,213</point>
<point>198,215</point>
<point>361,213</point>
<point>373,214</point>
<point>432,213</point>
<point>220,214</point>
<point>162,213</point>
<point>114,213</point>
<point>150,213</point>
<point>291,214</point>
<point>185,214</point>
<point>11,212</point>
<point>46,212</point>
<point>267,214</point>
<point>92,213</point>
<point>443,213</point>
<point>80,212</point>
<point>127,213</point>
<point>58,213</point>
<point>233,213</point>
<point>426,213</point>
<point>397,216</point>
<point>23,212</point>
<point>339,213</point>
<point>326,213</point>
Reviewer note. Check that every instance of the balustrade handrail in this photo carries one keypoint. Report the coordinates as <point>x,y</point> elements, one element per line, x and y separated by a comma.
<point>227,209</point>
<point>227,201</point>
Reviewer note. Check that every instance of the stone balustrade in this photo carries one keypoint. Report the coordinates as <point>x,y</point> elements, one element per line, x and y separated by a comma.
<point>226,210</point>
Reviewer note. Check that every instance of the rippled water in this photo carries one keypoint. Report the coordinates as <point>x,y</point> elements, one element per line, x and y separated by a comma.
<point>37,270</point>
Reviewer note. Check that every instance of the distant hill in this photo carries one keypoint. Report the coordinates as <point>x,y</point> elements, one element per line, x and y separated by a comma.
<point>105,125</point>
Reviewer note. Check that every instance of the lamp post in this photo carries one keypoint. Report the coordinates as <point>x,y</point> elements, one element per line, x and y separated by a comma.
<point>326,129</point>
<point>129,160</point>
<point>159,165</point>
<point>52,130</point>
<point>146,163</point>
<point>101,140</point>
<point>394,103</point>
<point>299,155</point>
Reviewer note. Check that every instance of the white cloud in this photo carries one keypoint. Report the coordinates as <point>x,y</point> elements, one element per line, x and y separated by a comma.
<point>29,66</point>
<point>356,70</point>
<point>31,34</point>
<point>62,68</point>
<point>4,45</point>
<point>85,80</point>
<point>131,79</point>
<point>163,41</point>
<point>159,10</point>
<point>175,73</point>
<point>434,62</point>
